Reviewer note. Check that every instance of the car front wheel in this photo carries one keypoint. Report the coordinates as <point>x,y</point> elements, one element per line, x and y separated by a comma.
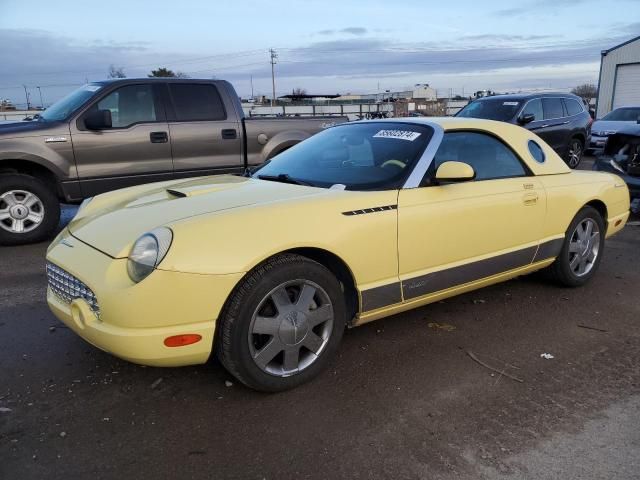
<point>29,211</point>
<point>282,324</point>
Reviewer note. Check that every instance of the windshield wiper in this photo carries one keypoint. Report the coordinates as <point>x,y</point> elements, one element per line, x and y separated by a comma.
<point>284,178</point>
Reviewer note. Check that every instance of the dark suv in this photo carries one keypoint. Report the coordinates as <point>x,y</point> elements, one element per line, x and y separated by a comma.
<point>560,119</point>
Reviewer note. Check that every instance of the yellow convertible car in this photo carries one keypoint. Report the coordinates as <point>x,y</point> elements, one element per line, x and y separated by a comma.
<point>361,221</point>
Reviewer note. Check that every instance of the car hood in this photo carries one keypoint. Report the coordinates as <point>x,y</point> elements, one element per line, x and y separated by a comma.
<point>28,128</point>
<point>608,126</point>
<point>112,222</point>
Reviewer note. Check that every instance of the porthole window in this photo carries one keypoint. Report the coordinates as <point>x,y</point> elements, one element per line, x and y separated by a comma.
<point>536,151</point>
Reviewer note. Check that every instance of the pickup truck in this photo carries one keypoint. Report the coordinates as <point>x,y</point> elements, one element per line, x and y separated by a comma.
<point>118,133</point>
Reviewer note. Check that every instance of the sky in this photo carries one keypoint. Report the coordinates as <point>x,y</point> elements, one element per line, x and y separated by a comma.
<point>323,46</point>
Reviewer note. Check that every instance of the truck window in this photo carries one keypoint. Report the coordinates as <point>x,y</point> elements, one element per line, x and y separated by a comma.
<point>129,105</point>
<point>196,102</point>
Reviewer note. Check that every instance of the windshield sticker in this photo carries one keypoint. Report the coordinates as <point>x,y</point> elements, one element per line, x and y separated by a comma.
<point>399,134</point>
<point>511,104</point>
<point>92,88</point>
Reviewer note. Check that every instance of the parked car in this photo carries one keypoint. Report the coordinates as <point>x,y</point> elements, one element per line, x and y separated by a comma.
<point>113,134</point>
<point>610,124</point>
<point>560,119</point>
<point>359,222</point>
<point>621,155</point>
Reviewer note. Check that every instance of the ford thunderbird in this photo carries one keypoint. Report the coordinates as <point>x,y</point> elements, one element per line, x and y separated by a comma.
<point>364,220</point>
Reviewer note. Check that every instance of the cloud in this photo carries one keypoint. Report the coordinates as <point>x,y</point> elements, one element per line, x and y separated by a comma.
<point>543,6</point>
<point>348,30</point>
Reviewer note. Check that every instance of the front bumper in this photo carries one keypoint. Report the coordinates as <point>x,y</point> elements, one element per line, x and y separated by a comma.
<point>135,319</point>
<point>597,143</point>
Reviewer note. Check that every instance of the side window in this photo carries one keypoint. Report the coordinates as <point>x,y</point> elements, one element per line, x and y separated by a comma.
<point>129,105</point>
<point>552,108</point>
<point>196,102</point>
<point>489,157</point>
<point>534,107</point>
<point>573,106</point>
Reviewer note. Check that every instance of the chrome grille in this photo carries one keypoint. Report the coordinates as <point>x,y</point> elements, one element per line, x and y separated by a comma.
<point>67,287</point>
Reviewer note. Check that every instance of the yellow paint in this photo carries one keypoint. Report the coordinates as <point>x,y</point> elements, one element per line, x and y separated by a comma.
<point>224,226</point>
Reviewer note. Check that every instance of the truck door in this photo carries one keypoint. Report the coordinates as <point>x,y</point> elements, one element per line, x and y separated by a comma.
<point>206,135</point>
<point>134,150</point>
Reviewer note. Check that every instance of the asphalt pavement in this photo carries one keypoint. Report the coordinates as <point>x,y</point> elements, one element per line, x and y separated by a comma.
<point>406,397</point>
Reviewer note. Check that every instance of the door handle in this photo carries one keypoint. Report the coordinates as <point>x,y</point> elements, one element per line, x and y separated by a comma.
<point>158,137</point>
<point>530,198</point>
<point>229,134</point>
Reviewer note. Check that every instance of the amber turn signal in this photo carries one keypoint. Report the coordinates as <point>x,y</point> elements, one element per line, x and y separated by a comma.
<point>182,340</point>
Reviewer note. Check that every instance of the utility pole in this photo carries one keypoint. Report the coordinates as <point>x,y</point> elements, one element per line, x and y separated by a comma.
<point>251,80</point>
<point>26,94</point>
<point>41,102</point>
<point>274,56</point>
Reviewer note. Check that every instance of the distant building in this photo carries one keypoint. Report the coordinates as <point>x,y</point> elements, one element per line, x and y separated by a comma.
<point>424,91</point>
<point>619,82</point>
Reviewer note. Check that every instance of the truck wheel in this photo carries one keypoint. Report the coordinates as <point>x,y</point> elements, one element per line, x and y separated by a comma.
<point>574,152</point>
<point>282,324</point>
<point>582,249</point>
<point>29,210</point>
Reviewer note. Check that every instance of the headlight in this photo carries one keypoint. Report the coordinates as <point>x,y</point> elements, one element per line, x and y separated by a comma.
<point>616,166</point>
<point>147,253</point>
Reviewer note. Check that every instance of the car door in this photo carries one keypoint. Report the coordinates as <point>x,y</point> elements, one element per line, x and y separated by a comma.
<point>206,135</point>
<point>134,150</point>
<point>555,128</point>
<point>453,234</point>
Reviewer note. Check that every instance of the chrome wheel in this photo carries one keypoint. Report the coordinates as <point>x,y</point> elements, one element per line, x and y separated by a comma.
<point>575,153</point>
<point>584,247</point>
<point>290,328</point>
<point>20,211</point>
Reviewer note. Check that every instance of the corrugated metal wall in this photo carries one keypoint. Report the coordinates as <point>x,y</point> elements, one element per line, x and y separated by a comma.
<point>629,53</point>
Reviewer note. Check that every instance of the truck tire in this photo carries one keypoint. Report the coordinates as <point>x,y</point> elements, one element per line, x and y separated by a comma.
<point>29,209</point>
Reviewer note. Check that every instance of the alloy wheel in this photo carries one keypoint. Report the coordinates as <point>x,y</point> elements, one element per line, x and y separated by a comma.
<point>575,153</point>
<point>290,327</point>
<point>20,211</point>
<point>584,247</point>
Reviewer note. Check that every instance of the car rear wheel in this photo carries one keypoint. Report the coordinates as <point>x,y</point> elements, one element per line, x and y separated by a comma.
<point>574,152</point>
<point>29,211</point>
<point>582,249</point>
<point>282,324</point>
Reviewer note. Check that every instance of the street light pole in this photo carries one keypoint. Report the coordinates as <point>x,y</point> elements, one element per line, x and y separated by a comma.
<point>274,56</point>
<point>26,94</point>
<point>41,102</point>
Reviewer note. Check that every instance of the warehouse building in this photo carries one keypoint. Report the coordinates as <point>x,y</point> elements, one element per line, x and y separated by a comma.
<point>619,82</point>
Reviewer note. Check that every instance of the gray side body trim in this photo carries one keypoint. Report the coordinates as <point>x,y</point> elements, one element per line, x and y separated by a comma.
<point>381,296</point>
<point>437,281</point>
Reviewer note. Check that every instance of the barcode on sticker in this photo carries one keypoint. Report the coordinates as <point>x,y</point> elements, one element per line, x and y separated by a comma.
<point>399,134</point>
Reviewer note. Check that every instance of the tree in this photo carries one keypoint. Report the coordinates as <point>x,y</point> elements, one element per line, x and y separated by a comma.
<point>586,91</point>
<point>116,72</point>
<point>299,91</point>
<point>165,72</point>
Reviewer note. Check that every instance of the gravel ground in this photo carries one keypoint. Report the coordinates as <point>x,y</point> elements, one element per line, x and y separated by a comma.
<point>403,399</point>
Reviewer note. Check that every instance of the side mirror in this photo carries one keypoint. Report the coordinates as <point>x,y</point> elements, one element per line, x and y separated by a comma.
<point>526,118</point>
<point>450,172</point>
<point>98,120</point>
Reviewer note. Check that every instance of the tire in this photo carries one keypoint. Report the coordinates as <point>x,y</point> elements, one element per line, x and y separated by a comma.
<point>562,270</point>
<point>575,151</point>
<point>257,339</point>
<point>29,210</point>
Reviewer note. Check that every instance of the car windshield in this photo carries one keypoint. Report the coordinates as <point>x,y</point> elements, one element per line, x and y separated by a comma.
<point>491,109</point>
<point>359,156</point>
<point>623,115</point>
<point>67,105</point>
